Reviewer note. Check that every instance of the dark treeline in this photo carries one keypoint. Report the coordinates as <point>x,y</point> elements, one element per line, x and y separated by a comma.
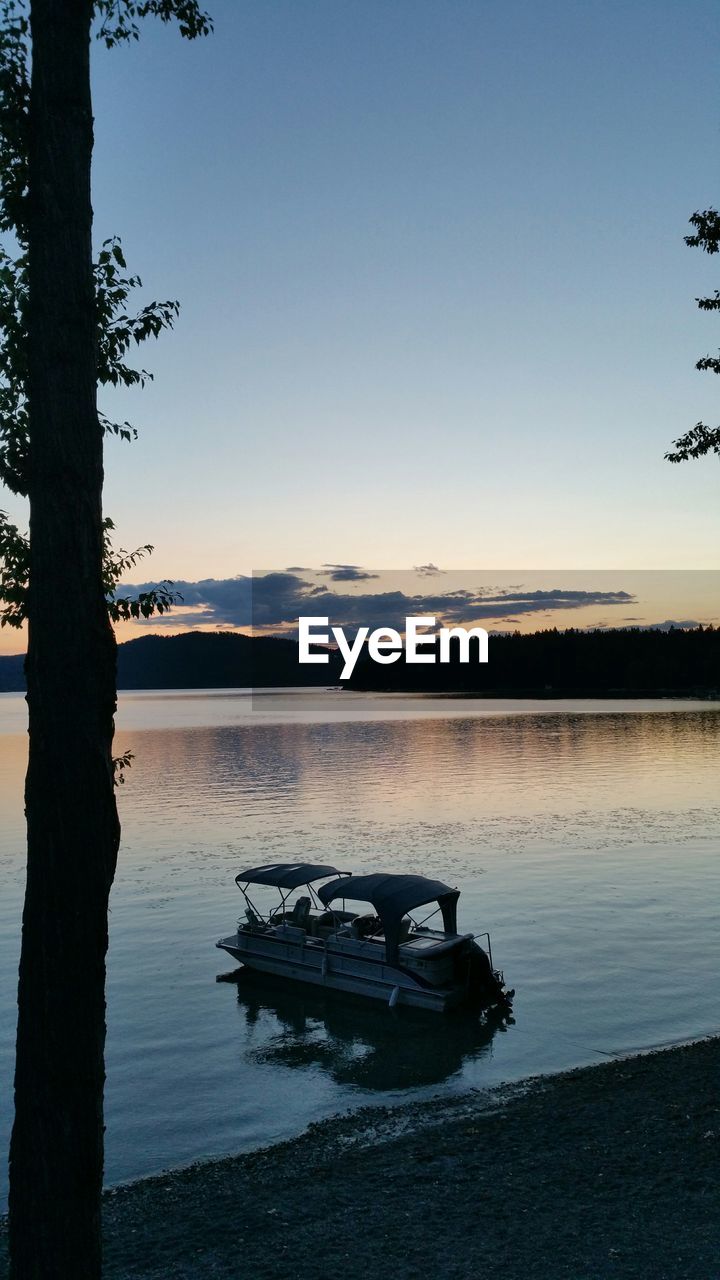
<point>565,663</point>
<point>544,663</point>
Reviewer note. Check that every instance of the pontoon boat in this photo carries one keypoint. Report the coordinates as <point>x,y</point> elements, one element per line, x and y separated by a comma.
<point>383,953</point>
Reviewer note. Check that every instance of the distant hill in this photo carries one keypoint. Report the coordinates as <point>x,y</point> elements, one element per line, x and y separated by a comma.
<point>201,660</point>
<point>12,678</point>
<point>222,660</point>
<point>545,663</point>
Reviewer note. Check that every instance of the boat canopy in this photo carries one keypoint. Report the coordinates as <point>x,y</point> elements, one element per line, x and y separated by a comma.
<point>286,875</point>
<point>393,896</point>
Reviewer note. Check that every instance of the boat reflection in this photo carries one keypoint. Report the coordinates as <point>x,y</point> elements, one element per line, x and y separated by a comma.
<point>355,1042</point>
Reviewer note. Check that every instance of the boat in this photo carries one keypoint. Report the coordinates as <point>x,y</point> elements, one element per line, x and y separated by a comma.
<point>382,953</point>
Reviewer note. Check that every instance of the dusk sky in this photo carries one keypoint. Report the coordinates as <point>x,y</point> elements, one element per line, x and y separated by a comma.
<point>436,304</point>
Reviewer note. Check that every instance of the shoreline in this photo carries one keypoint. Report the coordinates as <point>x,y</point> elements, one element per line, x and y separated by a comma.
<point>611,1170</point>
<point>540,693</point>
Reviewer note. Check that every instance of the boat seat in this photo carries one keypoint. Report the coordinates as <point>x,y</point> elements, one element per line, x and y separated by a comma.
<point>365,927</point>
<point>369,929</point>
<point>300,913</point>
<point>319,922</point>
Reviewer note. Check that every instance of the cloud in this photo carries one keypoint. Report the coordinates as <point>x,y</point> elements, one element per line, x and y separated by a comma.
<point>347,573</point>
<point>428,570</point>
<point>276,600</point>
<point>223,601</point>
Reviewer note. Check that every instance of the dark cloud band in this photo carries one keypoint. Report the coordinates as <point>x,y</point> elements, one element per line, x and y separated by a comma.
<point>278,599</point>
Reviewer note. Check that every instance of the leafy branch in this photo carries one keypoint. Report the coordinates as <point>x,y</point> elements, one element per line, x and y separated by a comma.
<point>14,573</point>
<point>116,563</point>
<point>119,18</point>
<point>119,765</point>
<point>118,331</point>
<point>701,439</point>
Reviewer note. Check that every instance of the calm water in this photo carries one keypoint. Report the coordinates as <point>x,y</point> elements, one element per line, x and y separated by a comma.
<point>583,835</point>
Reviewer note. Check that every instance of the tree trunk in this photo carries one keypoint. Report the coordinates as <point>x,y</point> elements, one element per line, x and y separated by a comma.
<point>56,1154</point>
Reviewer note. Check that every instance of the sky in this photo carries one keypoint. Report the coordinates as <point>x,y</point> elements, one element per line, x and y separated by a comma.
<point>436,304</point>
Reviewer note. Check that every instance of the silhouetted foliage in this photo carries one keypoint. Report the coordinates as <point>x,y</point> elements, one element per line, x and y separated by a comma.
<point>118,18</point>
<point>701,439</point>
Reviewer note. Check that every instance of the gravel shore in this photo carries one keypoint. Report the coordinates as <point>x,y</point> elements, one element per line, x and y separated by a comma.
<point>608,1171</point>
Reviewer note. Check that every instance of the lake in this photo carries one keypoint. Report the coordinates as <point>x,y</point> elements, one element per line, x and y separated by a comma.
<point>583,835</point>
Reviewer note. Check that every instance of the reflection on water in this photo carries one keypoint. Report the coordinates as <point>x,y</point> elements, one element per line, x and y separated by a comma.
<point>355,1042</point>
<point>586,840</point>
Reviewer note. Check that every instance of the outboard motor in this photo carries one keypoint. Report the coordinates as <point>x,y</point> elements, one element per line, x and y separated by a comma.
<point>485,984</point>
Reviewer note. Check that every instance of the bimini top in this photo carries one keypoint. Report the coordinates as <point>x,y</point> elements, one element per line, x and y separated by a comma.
<point>388,893</point>
<point>286,875</point>
<point>393,896</point>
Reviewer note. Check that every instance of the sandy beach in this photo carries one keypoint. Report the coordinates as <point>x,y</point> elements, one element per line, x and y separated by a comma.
<point>607,1171</point>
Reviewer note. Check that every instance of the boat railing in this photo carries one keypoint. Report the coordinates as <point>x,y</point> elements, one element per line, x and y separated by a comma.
<point>489,945</point>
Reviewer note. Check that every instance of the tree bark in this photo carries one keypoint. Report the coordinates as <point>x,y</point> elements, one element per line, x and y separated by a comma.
<point>56,1155</point>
